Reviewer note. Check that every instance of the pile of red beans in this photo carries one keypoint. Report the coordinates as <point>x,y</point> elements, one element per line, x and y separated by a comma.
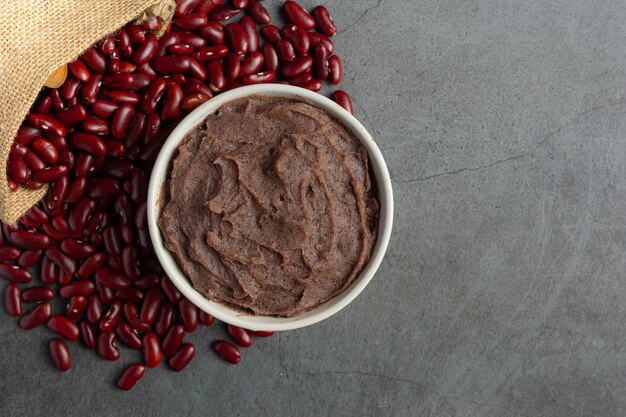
<point>94,140</point>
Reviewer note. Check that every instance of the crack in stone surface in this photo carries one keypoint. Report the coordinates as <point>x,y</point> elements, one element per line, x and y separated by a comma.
<point>361,17</point>
<point>531,153</point>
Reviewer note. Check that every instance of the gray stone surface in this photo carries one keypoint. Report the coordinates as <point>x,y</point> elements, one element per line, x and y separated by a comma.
<point>502,293</point>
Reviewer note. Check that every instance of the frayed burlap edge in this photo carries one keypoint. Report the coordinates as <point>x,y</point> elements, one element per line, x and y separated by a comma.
<point>37,37</point>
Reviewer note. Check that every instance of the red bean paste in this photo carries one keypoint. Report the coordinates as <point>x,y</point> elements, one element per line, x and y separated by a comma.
<point>269,207</point>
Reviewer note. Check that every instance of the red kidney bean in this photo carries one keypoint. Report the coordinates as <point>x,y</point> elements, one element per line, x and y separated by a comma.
<point>121,120</point>
<point>48,271</point>
<point>77,249</point>
<point>104,108</point>
<point>94,309</point>
<point>261,77</point>
<point>141,216</point>
<point>45,150</point>
<point>182,358</point>
<point>33,161</point>
<point>111,317</point>
<point>102,188</point>
<point>146,50</point>
<point>185,7</point>
<point>196,69</point>
<point>262,333</point>
<point>50,174</point>
<point>214,33</point>
<point>117,66</point>
<point>106,346</point>
<point>69,89</point>
<point>131,376</point>
<point>37,294</point>
<point>56,101</point>
<point>80,288</point>
<point>173,339</point>
<point>232,66</point>
<point>29,258</point>
<point>76,307</point>
<point>131,313</point>
<point>112,279</point>
<point>17,169</point>
<point>126,233</point>
<point>188,314</point>
<point>94,60</point>
<point>121,96</point>
<point>128,336</point>
<point>297,66</point>
<point>96,126</point>
<point>240,4</point>
<point>76,190</point>
<point>79,70</point>
<point>313,85</point>
<point>194,100</point>
<point>317,39</point>
<point>119,168</point>
<point>343,99</point>
<point>90,266</point>
<point>130,263</point>
<point>63,278</point>
<point>153,95</point>
<point>236,38</point>
<point>72,116</point>
<point>296,14</point>
<point>300,78</point>
<point>15,273</point>
<point>258,12</point>
<point>170,291</point>
<point>172,102</point>
<point>36,316</point>
<point>181,49</point>
<point>147,70</point>
<point>210,53</point>
<point>320,62</point>
<point>18,151</point>
<point>89,90</point>
<point>9,253</point>
<point>26,133</point>
<point>106,294</point>
<point>222,12</point>
<point>131,82</point>
<point>249,27</point>
<point>12,301</point>
<point>241,336</point>
<point>252,63</point>
<point>152,354</point>
<point>135,33</point>
<point>44,105</point>
<point>150,305</point>
<point>152,23</point>
<point>298,37</point>
<point>30,240</point>
<point>335,69</point>
<point>132,294</point>
<point>123,208</point>
<point>164,318</point>
<point>87,334</point>
<point>205,318</point>
<point>170,64</point>
<point>90,144</point>
<point>36,214</point>
<point>80,213</point>
<point>285,51</point>
<point>324,21</point>
<point>64,326</point>
<point>227,351</point>
<point>153,125</point>
<point>46,124</point>
<point>60,354</point>
<point>191,21</point>
<point>122,39</point>
<point>270,57</point>
<point>135,130</point>
<point>217,78</point>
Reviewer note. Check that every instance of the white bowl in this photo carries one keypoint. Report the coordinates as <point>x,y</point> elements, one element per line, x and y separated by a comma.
<point>161,170</point>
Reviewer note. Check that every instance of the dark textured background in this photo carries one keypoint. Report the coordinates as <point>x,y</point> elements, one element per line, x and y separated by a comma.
<point>502,293</point>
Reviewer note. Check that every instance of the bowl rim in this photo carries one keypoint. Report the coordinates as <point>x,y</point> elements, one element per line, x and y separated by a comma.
<point>270,323</point>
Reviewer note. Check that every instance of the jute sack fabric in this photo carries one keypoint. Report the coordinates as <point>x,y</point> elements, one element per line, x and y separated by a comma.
<point>36,38</point>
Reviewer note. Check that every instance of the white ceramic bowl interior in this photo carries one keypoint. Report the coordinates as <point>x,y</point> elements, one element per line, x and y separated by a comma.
<point>161,170</point>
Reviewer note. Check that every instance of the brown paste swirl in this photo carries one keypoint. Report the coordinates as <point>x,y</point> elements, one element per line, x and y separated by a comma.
<point>269,207</point>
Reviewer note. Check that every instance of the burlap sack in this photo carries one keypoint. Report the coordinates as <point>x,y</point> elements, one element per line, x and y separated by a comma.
<point>37,37</point>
